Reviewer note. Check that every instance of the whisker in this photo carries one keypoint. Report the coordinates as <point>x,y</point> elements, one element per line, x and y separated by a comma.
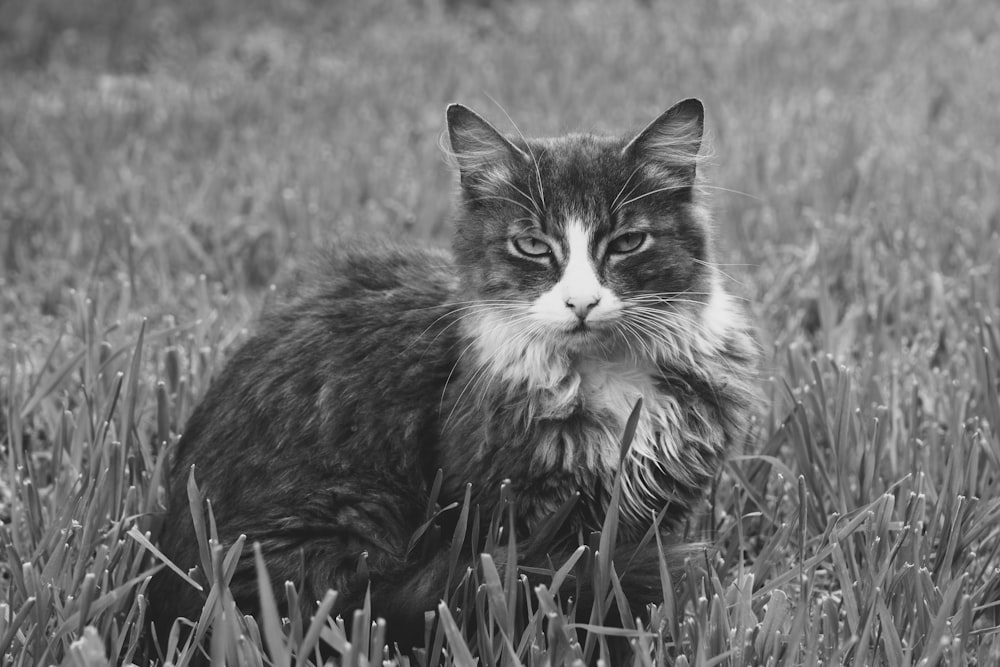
<point>506,199</point>
<point>716,267</point>
<point>675,319</point>
<point>529,335</point>
<point>481,367</point>
<point>632,328</point>
<point>666,297</point>
<point>730,190</point>
<point>447,381</point>
<point>647,327</point>
<point>728,264</point>
<point>472,311</point>
<point>625,185</point>
<point>538,173</point>
<point>447,304</point>
<point>675,300</point>
<point>672,317</point>
<point>670,323</point>
<point>614,209</point>
<point>479,373</point>
<point>521,192</point>
<point>675,344</point>
<point>619,206</point>
<point>700,328</point>
<point>650,193</point>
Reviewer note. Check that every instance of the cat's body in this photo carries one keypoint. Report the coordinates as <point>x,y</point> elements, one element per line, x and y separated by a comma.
<point>581,281</point>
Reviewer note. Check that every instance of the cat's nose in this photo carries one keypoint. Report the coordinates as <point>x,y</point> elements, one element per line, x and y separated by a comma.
<point>582,305</point>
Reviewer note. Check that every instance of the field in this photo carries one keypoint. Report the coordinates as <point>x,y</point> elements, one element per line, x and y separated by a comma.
<point>162,165</point>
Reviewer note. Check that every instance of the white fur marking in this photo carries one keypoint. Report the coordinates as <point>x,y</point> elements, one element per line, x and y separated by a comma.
<point>718,318</point>
<point>507,347</point>
<point>579,288</point>
<point>614,387</point>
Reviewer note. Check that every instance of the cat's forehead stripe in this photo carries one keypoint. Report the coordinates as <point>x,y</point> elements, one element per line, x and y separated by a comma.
<point>578,270</point>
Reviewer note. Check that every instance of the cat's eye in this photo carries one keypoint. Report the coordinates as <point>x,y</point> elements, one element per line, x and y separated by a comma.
<point>628,242</point>
<point>531,247</point>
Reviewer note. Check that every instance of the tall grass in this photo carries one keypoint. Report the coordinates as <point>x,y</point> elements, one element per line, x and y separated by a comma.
<point>160,170</point>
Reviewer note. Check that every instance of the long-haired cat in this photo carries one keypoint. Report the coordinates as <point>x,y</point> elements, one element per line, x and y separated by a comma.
<point>580,280</point>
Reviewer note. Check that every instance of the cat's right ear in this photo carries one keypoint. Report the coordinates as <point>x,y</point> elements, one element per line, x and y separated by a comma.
<point>671,143</point>
<point>483,154</point>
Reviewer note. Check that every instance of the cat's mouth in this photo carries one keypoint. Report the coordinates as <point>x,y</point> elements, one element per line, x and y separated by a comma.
<point>582,333</point>
<point>583,330</point>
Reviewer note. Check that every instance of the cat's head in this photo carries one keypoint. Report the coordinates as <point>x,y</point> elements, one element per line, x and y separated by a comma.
<point>584,240</point>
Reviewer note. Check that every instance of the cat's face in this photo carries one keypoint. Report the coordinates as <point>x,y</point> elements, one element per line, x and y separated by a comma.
<point>584,240</point>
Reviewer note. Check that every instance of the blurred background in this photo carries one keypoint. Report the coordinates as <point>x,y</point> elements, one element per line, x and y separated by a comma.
<point>144,144</point>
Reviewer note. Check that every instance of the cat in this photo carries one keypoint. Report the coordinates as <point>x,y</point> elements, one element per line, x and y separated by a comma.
<point>580,280</point>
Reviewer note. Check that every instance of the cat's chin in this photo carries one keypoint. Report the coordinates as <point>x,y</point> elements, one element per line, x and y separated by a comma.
<point>583,336</point>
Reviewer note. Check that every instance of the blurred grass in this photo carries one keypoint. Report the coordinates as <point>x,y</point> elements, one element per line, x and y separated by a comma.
<point>166,163</point>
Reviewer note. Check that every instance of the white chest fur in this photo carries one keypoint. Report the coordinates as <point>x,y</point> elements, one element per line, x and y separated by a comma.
<point>593,398</point>
<point>610,389</point>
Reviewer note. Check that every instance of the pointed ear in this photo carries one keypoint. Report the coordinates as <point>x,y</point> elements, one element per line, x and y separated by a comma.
<point>483,153</point>
<point>672,141</point>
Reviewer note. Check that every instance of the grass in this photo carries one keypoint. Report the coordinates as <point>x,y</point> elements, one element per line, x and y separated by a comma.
<point>162,166</point>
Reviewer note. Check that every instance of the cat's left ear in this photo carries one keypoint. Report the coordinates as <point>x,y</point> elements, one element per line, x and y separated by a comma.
<point>673,140</point>
<point>481,151</point>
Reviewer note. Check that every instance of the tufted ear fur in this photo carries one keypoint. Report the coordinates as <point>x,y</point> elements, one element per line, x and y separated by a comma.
<point>670,144</point>
<point>484,155</point>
